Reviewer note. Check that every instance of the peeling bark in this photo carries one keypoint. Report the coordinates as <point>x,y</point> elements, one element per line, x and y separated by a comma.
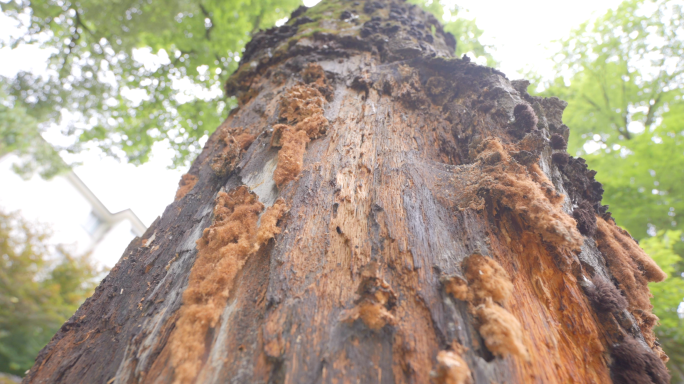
<point>381,163</point>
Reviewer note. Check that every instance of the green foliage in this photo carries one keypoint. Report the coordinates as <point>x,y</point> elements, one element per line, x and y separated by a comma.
<point>667,297</point>
<point>122,70</point>
<point>19,133</point>
<point>621,72</point>
<point>40,287</point>
<point>465,30</point>
<point>668,294</point>
<point>642,177</point>
<point>122,102</point>
<point>622,75</point>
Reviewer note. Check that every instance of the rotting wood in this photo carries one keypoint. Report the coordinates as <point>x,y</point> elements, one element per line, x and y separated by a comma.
<point>348,267</point>
<point>451,368</point>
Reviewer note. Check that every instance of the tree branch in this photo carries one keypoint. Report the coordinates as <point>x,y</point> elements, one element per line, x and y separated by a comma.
<point>256,23</point>
<point>73,41</point>
<point>207,32</point>
<point>650,115</point>
<point>625,115</point>
<point>590,101</point>
<point>606,99</point>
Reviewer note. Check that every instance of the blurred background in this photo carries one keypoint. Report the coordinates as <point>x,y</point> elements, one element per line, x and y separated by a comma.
<point>104,104</point>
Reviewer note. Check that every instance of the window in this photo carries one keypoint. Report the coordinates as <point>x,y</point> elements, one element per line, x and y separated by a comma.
<point>92,223</point>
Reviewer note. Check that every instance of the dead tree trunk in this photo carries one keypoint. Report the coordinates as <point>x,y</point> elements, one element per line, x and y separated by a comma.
<point>374,211</point>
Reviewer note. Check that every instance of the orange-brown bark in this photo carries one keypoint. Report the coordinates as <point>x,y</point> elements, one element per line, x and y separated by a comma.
<point>452,369</point>
<point>185,185</point>
<point>633,269</point>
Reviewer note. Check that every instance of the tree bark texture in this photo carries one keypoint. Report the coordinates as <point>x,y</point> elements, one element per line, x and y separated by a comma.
<point>374,211</point>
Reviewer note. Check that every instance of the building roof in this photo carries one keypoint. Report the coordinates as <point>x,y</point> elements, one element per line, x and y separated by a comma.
<point>108,218</point>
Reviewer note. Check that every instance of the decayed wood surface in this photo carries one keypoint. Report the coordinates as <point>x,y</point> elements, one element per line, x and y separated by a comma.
<point>348,265</point>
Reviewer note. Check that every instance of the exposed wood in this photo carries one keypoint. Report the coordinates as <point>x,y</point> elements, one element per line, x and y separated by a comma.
<point>394,163</point>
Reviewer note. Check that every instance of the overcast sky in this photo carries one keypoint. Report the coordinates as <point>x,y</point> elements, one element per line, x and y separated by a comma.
<point>520,32</point>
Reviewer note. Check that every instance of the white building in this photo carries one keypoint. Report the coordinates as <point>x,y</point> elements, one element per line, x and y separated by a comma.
<point>75,215</point>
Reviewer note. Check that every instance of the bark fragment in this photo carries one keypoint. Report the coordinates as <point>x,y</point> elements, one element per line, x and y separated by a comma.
<point>290,156</point>
<point>634,364</point>
<point>456,287</point>
<point>488,283</point>
<point>486,280</point>
<point>235,143</point>
<point>525,119</point>
<point>586,218</point>
<point>301,101</point>
<point>185,185</point>
<point>500,330</point>
<point>452,369</point>
<point>223,251</point>
<point>302,104</point>
<point>558,142</point>
<point>604,296</point>
<point>524,190</point>
<point>268,227</point>
<point>376,299</point>
<point>633,269</point>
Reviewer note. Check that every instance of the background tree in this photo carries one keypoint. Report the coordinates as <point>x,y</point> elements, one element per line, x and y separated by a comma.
<point>20,134</point>
<point>623,76</point>
<point>41,286</point>
<point>125,75</point>
<point>667,297</point>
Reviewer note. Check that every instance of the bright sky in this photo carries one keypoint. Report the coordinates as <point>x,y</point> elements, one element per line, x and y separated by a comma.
<point>520,32</point>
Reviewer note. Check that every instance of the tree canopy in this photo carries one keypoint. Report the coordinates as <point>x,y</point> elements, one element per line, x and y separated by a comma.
<point>41,286</point>
<point>622,76</point>
<point>125,75</point>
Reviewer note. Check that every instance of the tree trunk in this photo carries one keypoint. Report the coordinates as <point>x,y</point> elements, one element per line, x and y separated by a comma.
<point>374,211</point>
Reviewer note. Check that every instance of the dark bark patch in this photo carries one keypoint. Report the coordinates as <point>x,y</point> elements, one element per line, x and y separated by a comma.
<point>581,184</point>
<point>450,40</point>
<point>561,159</point>
<point>302,20</point>
<point>362,83</point>
<point>437,85</point>
<point>604,296</point>
<point>525,157</point>
<point>372,6</point>
<point>298,12</point>
<point>586,218</point>
<point>225,161</point>
<point>525,120</point>
<point>634,364</point>
<point>558,142</point>
<point>268,39</point>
